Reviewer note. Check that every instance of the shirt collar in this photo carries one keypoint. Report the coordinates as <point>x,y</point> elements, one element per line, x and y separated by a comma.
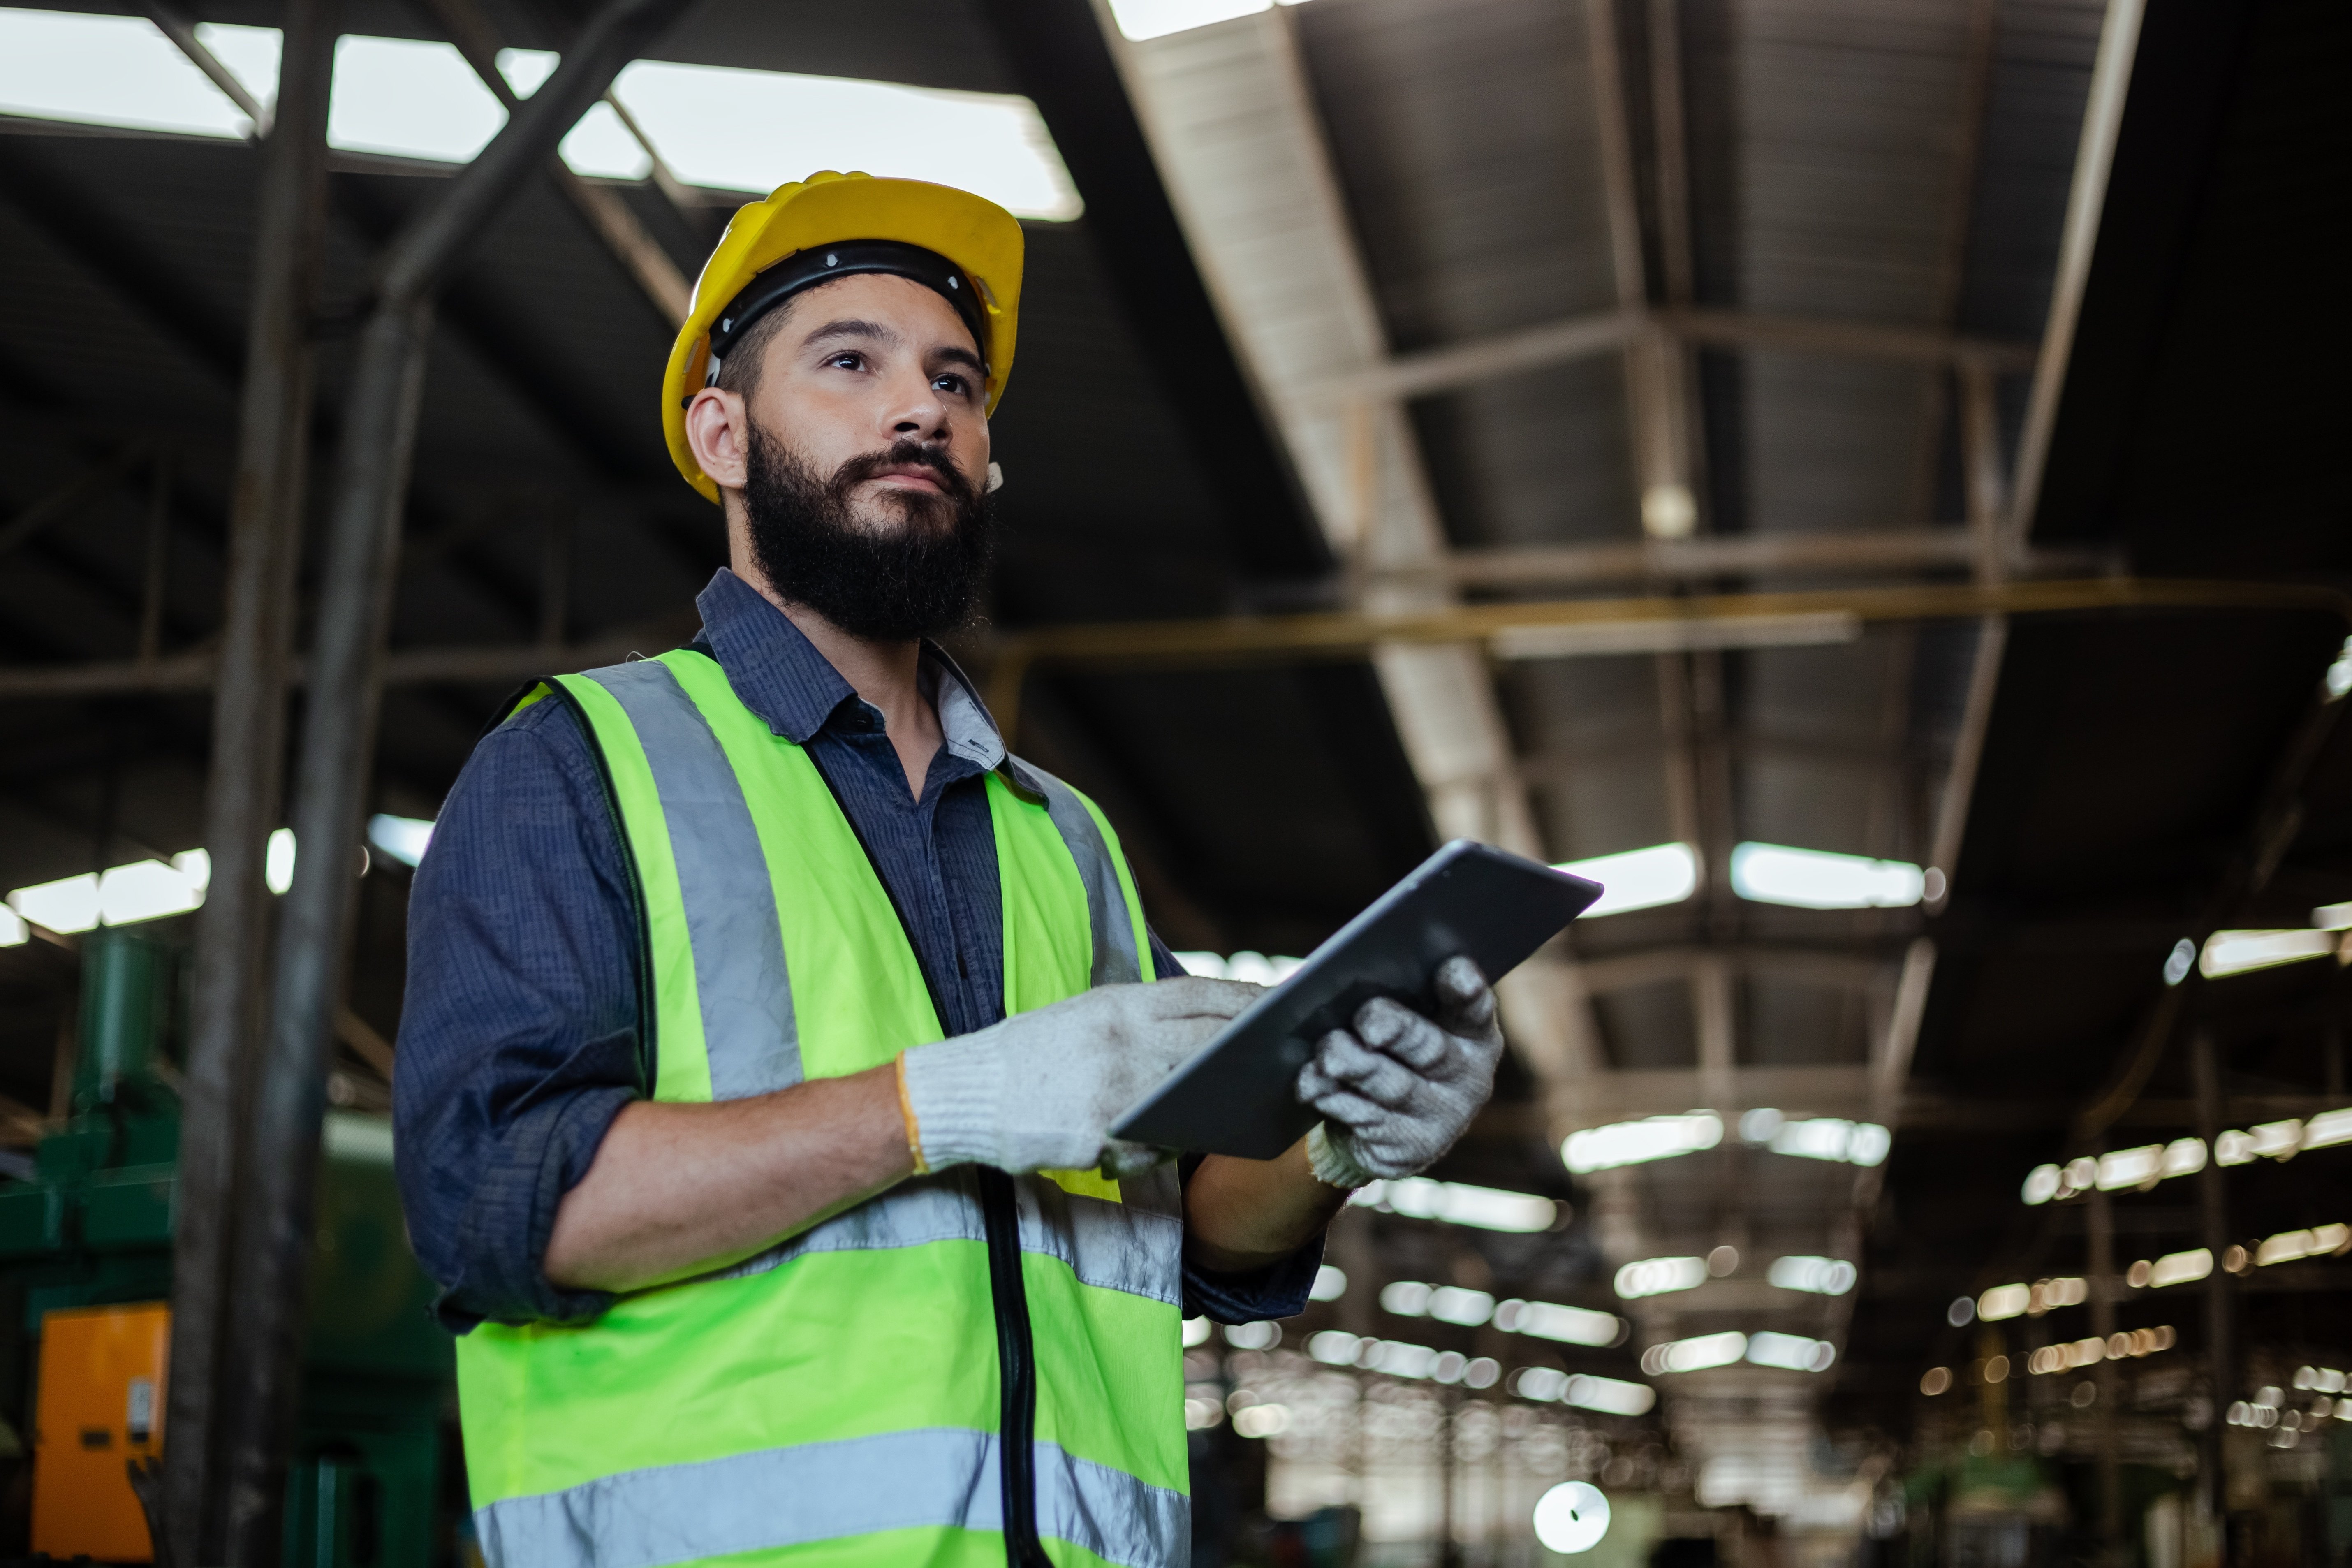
<point>781,676</point>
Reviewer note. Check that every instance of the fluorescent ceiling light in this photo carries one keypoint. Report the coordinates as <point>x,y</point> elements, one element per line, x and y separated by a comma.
<point>124,895</point>
<point>1819,1275</point>
<point>1446,1303</point>
<point>2067,1290</point>
<point>14,931</point>
<point>752,130</point>
<point>278,861</point>
<point>2004,1302</point>
<point>2339,678</point>
<point>1791,1353</point>
<point>1397,1358</point>
<point>1552,1320</point>
<point>2328,1129</point>
<point>116,70</point>
<point>1586,1392</point>
<point>1458,1203</point>
<point>402,837</point>
<point>1817,1137</point>
<point>68,904</point>
<point>1613,1394</point>
<point>1330,1284</point>
<point>145,890</point>
<point>1255,967</point>
<point>2179,1268</point>
<point>2142,1167</point>
<point>1818,880</point>
<point>2231,953</point>
<point>1336,1347</point>
<point>1639,878</point>
<point>2320,1241</point>
<point>2333,917</point>
<point>1619,1143</point>
<point>2078,1353</point>
<point>1659,1275</point>
<point>1695,1354</point>
<point>1458,1304</point>
<point>2323,1379</point>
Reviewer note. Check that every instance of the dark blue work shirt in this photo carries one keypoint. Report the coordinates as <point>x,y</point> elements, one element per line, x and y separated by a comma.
<point>518,1035</point>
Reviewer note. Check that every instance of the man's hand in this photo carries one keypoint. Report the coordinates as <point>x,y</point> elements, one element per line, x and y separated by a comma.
<point>1040,1090</point>
<point>1397,1090</point>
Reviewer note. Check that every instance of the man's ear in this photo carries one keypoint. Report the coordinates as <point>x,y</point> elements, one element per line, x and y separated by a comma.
<point>717,431</point>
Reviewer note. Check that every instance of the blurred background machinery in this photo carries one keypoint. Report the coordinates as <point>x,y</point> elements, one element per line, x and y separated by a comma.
<point>86,1277</point>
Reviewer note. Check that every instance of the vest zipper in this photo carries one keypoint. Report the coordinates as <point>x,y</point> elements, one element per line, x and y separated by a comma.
<point>1000,1218</point>
<point>1016,1371</point>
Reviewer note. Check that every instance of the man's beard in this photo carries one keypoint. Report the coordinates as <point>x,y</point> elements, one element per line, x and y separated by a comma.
<point>917,578</point>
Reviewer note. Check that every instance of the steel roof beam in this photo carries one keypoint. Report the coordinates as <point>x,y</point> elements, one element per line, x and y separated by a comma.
<point>1349,634</point>
<point>608,216</point>
<point>1869,550</point>
<point>1459,366</point>
<point>181,29</point>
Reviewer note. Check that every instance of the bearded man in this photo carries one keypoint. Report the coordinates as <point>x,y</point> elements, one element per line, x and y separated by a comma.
<point>766,1020</point>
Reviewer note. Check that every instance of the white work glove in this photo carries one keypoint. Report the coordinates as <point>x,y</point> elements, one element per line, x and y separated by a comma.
<point>1398,1090</point>
<point>1039,1092</point>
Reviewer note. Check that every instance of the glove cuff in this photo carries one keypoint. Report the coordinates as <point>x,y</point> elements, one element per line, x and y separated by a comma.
<point>1333,1163</point>
<point>950,1093</point>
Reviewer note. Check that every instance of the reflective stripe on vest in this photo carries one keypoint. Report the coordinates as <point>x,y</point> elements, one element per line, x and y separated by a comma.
<point>713,1416</point>
<point>937,1476</point>
<point>1118,1245</point>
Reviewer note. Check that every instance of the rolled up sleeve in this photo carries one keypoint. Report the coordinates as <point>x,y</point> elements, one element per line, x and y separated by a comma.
<point>519,1038</point>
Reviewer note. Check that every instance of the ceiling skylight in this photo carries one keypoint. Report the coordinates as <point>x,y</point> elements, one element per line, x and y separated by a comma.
<point>120,71</point>
<point>752,130</point>
<point>724,129</point>
<point>1141,19</point>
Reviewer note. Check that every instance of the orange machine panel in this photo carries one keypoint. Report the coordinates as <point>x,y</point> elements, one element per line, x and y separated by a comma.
<point>100,1406</point>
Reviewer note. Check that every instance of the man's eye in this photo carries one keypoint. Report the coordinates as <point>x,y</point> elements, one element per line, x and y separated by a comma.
<point>950,382</point>
<point>847,359</point>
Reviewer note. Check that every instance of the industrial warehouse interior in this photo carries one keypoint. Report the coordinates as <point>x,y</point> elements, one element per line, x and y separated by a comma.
<point>1851,477</point>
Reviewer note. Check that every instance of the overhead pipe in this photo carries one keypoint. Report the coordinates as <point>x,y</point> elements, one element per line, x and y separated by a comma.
<point>358,579</point>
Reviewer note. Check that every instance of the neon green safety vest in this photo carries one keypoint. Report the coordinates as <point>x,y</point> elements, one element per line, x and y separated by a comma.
<point>951,1373</point>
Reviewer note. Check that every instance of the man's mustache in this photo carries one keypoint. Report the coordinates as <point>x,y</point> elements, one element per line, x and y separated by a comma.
<point>901,454</point>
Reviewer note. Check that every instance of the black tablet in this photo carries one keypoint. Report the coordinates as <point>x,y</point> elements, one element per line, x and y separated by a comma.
<point>1239,1095</point>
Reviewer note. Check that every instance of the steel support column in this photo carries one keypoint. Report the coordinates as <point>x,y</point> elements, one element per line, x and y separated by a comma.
<point>273,1244</point>
<point>248,740</point>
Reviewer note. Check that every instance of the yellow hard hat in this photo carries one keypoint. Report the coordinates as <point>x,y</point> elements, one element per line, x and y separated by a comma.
<point>975,237</point>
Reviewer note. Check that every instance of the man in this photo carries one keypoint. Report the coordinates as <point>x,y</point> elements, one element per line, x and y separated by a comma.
<point>766,1019</point>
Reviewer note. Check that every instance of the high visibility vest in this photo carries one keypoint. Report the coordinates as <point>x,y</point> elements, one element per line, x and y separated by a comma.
<point>951,1373</point>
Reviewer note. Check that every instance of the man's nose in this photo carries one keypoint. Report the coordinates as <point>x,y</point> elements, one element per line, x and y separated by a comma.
<point>917,411</point>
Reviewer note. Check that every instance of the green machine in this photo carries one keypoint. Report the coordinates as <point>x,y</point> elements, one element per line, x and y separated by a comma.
<point>92,1227</point>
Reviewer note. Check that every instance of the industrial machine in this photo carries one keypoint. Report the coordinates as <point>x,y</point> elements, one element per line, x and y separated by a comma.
<point>85,1288</point>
